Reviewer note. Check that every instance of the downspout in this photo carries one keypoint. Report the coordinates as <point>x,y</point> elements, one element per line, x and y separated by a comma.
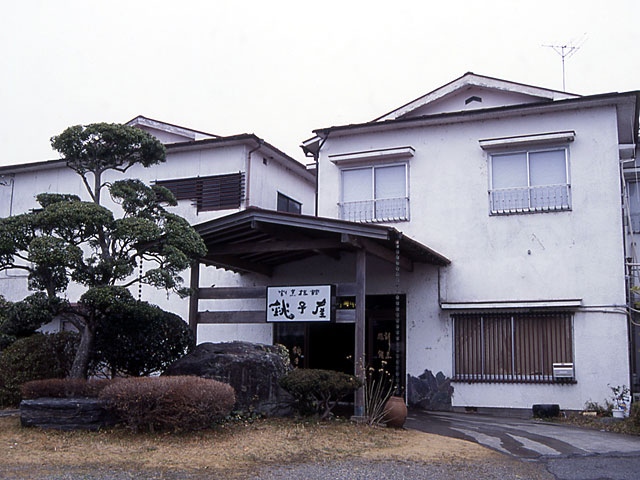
<point>316,160</point>
<point>247,190</point>
<point>629,249</point>
<point>5,183</point>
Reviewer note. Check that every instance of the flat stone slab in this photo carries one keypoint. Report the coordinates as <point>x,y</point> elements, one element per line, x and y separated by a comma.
<point>66,414</point>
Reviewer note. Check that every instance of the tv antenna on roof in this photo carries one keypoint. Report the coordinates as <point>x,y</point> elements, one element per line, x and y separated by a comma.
<point>567,50</point>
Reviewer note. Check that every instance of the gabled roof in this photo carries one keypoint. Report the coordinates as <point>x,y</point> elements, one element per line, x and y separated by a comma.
<point>257,240</point>
<point>627,105</point>
<point>468,93</point>
<point>470,83</point>
<point>184,139</point>
<point>176,131</point>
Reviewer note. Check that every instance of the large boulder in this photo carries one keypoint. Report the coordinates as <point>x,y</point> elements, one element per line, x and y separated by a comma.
<point>251,369</point>
<point>429,391</point>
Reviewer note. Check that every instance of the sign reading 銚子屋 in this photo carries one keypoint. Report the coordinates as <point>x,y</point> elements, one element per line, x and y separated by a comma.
<point>295,303</point>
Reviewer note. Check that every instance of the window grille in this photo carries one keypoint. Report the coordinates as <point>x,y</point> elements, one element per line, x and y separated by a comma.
<point>216,192</point>
<point>386,210</point>
<point>498,347</point>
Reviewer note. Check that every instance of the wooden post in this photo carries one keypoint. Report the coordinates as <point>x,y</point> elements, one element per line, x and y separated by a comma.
<point>360,371</point>
<point>194,285</point>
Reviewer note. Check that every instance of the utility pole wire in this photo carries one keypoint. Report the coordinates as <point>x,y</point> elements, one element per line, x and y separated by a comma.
<point>567,51</point>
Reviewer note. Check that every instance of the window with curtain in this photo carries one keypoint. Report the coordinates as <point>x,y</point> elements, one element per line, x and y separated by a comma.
<point>511,347</point>
<point>529,181</point>
<point>375,194</point>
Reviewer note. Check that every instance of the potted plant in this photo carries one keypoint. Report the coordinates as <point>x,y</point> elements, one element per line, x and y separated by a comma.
<point>621,400</point>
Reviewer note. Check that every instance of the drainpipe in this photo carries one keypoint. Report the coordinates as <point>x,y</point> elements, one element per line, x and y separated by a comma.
<point>629,249</point>
<point>259,143</point>
<point>5,183</point>
<point>316,160</point>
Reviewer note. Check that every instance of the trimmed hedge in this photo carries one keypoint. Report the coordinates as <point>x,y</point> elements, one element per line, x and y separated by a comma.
<point>180,403</point>
<point>36,357</point>
<point>63,388</point>
<point>318,390</point>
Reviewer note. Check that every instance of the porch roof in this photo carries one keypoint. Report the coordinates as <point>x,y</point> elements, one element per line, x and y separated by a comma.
<point>257,240</point>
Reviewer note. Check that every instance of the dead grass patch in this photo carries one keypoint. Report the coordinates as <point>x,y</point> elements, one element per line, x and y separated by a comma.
<point>231,451</point>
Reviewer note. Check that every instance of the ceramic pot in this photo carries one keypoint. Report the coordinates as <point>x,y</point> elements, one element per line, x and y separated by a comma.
<point>395,412</point>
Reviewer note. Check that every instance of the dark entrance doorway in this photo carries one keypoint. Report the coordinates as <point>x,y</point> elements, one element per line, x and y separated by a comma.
<point>331,345</point>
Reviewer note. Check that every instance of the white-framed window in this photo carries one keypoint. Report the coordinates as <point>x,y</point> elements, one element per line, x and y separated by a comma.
<point>530,180</point>
<point>377,193</point>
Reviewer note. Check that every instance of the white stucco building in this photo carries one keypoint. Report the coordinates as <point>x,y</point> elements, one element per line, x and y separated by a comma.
<point>520,188</point>
<point>484,231</point>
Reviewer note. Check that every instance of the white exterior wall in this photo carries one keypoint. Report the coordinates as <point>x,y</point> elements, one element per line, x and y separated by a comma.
<point>543,256</point>
<point>267,177</point>
<point>18,196</point>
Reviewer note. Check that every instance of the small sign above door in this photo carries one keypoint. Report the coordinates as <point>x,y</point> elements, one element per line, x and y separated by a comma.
<point>300,303</point>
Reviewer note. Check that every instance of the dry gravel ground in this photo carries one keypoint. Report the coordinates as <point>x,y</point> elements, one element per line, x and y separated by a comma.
<point>263,450</point>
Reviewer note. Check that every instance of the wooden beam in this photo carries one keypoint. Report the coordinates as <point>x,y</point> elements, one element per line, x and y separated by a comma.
<point>379,251</point>
<point>277,246</point>
<point>237,264</point>
<point>298,237</point>
<point>346,290</point>
<point>246,316</point>
<point>359,347</point>
<point>227,293</point>
<point>194,285</point>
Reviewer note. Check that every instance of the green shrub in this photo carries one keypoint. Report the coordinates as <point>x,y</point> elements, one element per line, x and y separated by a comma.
<point>63,388</point>
<point>139,339</point>
<point>317,390</point>
<point>180,403</point>
<point>36,357</point>
<point>22,319</point>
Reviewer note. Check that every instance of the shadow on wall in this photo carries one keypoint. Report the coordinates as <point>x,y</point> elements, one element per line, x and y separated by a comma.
<point>429,392</point>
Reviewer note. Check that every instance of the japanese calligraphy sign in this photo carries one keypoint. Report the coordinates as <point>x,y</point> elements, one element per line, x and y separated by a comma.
<point>306,303</point>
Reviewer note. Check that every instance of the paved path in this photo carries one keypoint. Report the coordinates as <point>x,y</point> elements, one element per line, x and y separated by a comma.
<point>569,453</point>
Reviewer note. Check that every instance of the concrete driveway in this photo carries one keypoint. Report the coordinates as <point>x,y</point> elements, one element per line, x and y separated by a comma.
<point>569,453</point>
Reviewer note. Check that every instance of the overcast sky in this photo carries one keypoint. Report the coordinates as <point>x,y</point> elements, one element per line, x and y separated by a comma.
<point>281,68</point>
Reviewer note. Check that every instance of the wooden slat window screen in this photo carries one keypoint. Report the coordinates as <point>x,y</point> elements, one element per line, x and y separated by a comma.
<point>216,192</point>
<point>511,347</point>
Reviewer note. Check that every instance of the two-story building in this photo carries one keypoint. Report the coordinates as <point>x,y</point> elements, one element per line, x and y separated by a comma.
<point>476,231</point>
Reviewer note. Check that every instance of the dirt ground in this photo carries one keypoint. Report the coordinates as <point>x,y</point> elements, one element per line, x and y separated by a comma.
<point>231,451</point>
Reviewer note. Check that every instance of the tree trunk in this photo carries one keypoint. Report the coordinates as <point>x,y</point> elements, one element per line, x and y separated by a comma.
<point>80,367</point>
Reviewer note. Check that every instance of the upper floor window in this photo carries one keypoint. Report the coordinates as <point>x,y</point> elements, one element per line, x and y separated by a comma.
<point>286,204</point>
<point>216,192</point>
<point>529,181</point>
<point>375,194</point>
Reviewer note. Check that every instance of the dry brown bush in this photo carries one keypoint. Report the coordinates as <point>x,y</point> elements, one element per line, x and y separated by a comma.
<point>180,403</point>
<point>63,388</point>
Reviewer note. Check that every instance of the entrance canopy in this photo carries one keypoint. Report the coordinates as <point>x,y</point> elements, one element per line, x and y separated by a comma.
<point>256,240</point>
